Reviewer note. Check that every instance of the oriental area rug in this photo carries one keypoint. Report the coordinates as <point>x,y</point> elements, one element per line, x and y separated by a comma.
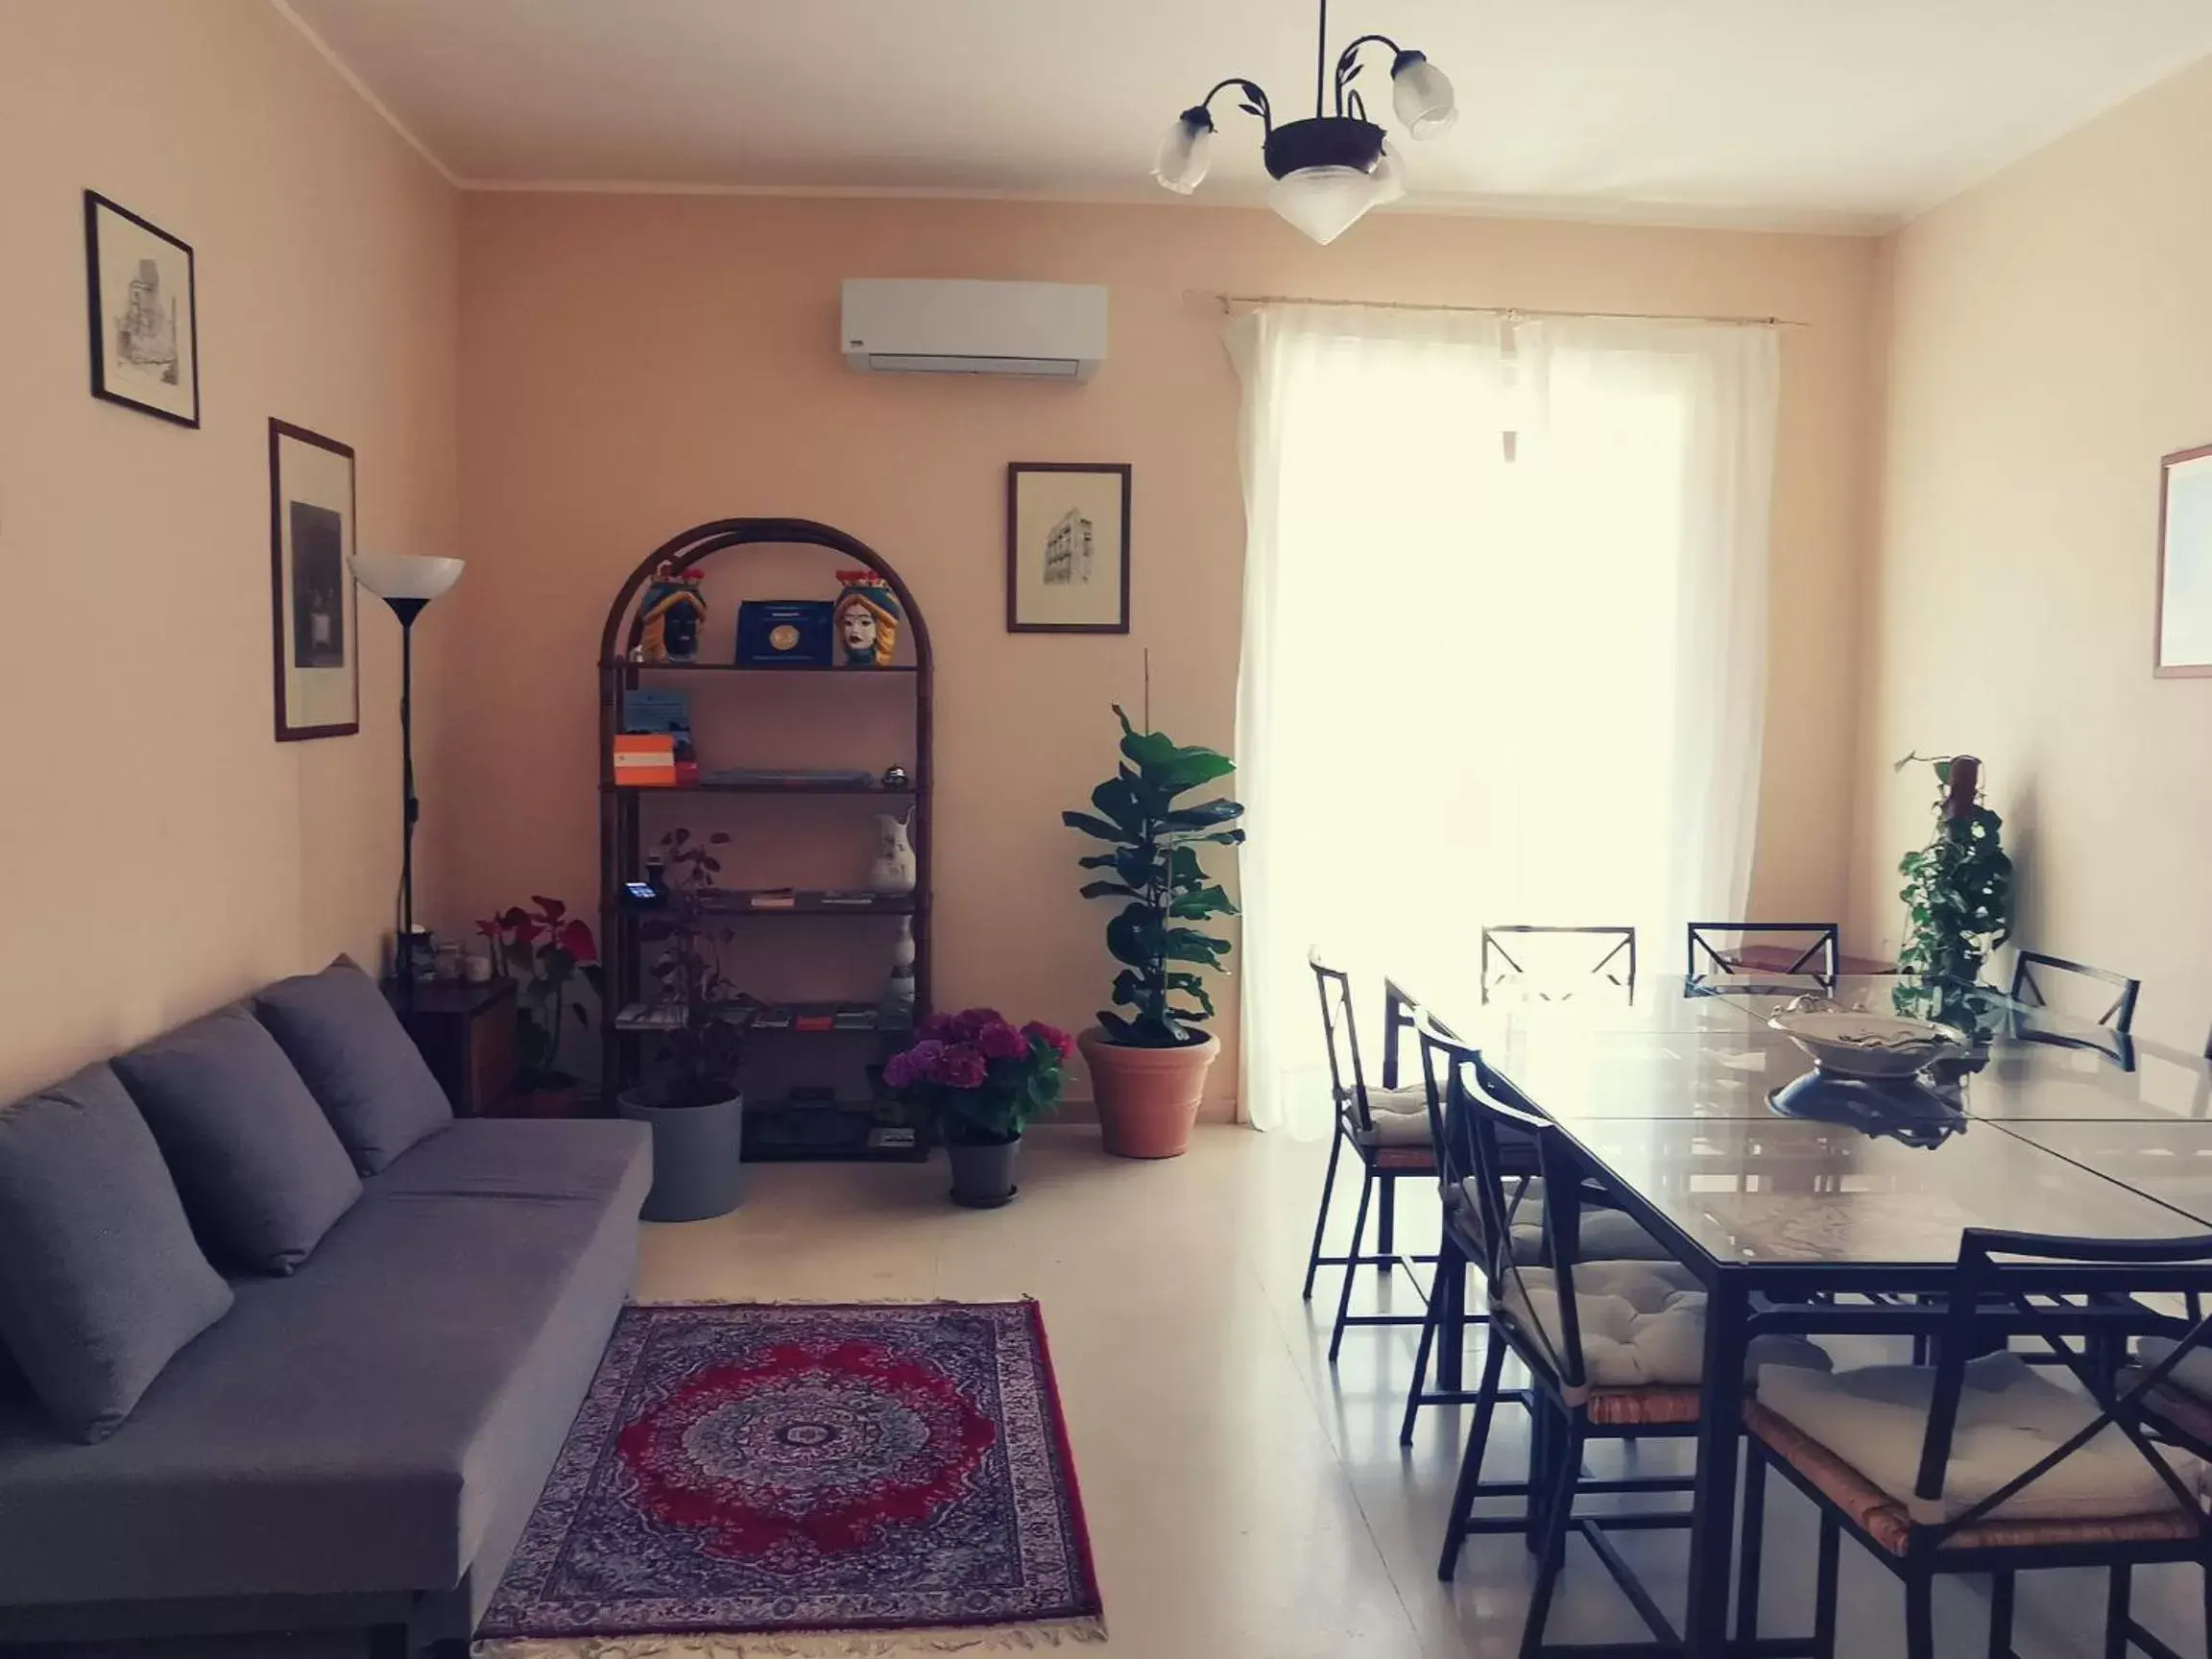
<point>781,1478</point>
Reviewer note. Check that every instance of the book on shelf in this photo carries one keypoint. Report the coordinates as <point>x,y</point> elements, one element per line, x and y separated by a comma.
<point>854,1016</point>
<point>772,899</point>
<point>650,1017</point>
<point>791,778</point>
<point>814,1020</point>
<point>645,760</point>
<point>848,899</point>
<point>772,1018</point>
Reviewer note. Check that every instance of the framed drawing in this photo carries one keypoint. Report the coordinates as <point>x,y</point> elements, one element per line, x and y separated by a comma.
<point>145,315</point>
<point>1067,547</point>
<point>2184,637</point>
<point>311,585</point>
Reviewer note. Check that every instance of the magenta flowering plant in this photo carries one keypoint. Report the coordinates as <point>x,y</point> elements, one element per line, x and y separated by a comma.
<point>982,1077</point>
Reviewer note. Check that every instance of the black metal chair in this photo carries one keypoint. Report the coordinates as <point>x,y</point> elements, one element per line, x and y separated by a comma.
<point>1537,1317</point>
<point>2032,972</point>
<point>1731,947</point>
<point>2055,1288</point>
<point>1387,1130</point>
<point>1504,946</point>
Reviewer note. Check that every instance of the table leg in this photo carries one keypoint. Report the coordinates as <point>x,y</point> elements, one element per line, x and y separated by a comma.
<point>1720,1431</point>
<point>1450,1283</point>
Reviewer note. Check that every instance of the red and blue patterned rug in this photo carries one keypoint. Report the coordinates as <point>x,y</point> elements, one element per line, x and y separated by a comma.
<point>785,1469</point>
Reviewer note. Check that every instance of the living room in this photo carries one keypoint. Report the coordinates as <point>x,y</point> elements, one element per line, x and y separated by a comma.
<point>1567,509</point>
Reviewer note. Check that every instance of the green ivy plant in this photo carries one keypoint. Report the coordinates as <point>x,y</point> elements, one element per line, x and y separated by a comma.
<point>1957,888</point>
<point>1154,860</point>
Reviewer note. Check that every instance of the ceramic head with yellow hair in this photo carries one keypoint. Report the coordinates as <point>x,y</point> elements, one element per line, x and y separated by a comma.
<point>867,621</point>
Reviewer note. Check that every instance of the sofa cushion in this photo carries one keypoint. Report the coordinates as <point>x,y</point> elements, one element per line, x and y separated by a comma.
<point>261,1172</point>
<point>354,1428</point>
<point>525,1158</point>
<point>358,1061</point>
<point>1400,1116</point>
<point>1601,1235</point>
<point>1875,1419</point>
<point>1641,1324</point>
<point>2192,1374</point>
<point>101,1281</point>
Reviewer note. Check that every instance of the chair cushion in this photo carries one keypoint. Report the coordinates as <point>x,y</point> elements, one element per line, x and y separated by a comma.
<point>358,1060</point>
<point>1601,1235</point>
<point>101,1280</point>
<point>2192,1375</point>
<point>1400,1117</point>
<point>1641,1324</point>
<point>261,1172</point>
<point>1875,1418</point>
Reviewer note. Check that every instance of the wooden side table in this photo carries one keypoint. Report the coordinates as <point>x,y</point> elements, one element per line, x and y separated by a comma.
<point>466,1034</point>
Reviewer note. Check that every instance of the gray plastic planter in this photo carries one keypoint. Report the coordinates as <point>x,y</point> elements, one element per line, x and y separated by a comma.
<point>695,1153</point>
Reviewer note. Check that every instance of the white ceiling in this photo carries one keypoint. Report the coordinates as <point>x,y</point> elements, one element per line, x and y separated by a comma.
<point>1851,113</point>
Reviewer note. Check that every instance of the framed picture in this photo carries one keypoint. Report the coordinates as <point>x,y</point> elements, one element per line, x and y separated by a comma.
<point>1067,547</point>
<point>145,314</point>
<point>311,584</point>
<point>2184,637</point>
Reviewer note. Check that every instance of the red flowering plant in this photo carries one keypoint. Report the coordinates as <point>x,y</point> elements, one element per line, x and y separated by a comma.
<point>547,951</point>
<point>981,1076</point>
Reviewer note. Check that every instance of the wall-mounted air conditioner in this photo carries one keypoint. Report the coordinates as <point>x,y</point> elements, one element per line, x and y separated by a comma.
<point>1036,330</point>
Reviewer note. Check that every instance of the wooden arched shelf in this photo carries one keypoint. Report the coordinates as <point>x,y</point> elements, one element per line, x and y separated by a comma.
<point>620,838</point>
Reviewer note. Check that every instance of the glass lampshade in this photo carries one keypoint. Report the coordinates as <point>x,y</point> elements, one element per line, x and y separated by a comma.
<point>404,575</point>
<point>1422,95</point>
<point>1185,153</point>
<point>1389,178</point>
<point>1326,202</point>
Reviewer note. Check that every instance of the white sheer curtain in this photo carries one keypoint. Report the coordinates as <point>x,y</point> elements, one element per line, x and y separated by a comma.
<point>1489,678</point>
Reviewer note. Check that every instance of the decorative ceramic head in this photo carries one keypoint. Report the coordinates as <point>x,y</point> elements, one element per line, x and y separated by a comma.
<point>868,618</point>
<point>670,615</point>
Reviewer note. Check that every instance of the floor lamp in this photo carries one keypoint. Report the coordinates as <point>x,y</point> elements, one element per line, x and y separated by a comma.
<point>406,583</point>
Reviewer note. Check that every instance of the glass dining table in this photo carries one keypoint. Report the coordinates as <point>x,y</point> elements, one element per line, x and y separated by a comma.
<point>1771,1183</point>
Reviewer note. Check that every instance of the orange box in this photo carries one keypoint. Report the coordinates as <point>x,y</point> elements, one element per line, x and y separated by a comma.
<point>645,760</point>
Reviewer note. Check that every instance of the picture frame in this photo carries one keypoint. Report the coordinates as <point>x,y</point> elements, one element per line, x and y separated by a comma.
<point>2181,639</point>
<point>1068,546</point>
<point>143,307</point>
<point>315,609</point>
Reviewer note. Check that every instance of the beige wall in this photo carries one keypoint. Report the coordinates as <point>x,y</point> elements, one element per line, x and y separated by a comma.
<point>2052,339</point>
<point>159,853</point>
<point>633,366</point>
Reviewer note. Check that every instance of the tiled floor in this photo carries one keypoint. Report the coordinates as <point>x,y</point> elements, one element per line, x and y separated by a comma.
<point>1245,1501</point>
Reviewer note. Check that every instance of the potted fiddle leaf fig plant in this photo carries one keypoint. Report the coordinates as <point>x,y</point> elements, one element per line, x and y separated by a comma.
<point>547,951</point>
<point>1149,1063</point>
<point>689,1095</point>
<point>983,1082</point>
<point>1957,894</point>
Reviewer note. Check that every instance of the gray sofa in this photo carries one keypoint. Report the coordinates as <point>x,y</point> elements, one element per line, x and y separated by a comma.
<point>358,1441</point>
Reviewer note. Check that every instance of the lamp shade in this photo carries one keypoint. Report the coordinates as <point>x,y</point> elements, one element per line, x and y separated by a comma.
<point>1326,202</point>
<point>1185,151</point>
<point>404,575</point>
<point>1422,95</point>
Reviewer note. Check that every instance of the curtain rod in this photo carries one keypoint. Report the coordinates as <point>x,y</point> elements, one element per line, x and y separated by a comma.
<point>1231,302</point>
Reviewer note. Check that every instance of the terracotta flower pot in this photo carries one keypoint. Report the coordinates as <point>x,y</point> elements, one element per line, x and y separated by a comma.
<point>1147,1097</point>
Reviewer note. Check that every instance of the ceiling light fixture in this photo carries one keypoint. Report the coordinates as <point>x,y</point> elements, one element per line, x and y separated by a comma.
<point>1328,171</point>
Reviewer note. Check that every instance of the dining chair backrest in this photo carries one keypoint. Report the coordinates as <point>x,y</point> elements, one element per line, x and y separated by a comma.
<point>2005,1280</point>
<point>2035,976</point>
<point>1764,948</point>
<point>1466,1121</point>
<point>1553,963</point>
<point>1341,1032</point>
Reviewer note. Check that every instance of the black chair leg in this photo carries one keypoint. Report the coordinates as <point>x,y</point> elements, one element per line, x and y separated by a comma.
<point>1420,1384</point>
<point>1824,1586</point>
<point>1352,1267</point>
<point>2000,1617</point>
<point>1463,1494</point>
<point>1386,1222</point>
<point>2116,1613</point>
<point>1552,1552</point>
<point>1753,1545</point>
<point>1920,1616</point>
<point>1321,1221</point>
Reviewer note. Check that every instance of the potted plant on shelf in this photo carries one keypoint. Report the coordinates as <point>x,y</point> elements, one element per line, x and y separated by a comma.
<point>983,1082</point>
<point>1957,896</point>
<point>689,1095</point>
<point>1149,1066</point>
<point>547,951</point>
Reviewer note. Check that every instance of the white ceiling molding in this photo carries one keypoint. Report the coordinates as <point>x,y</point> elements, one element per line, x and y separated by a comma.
<point>1844,116</point>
